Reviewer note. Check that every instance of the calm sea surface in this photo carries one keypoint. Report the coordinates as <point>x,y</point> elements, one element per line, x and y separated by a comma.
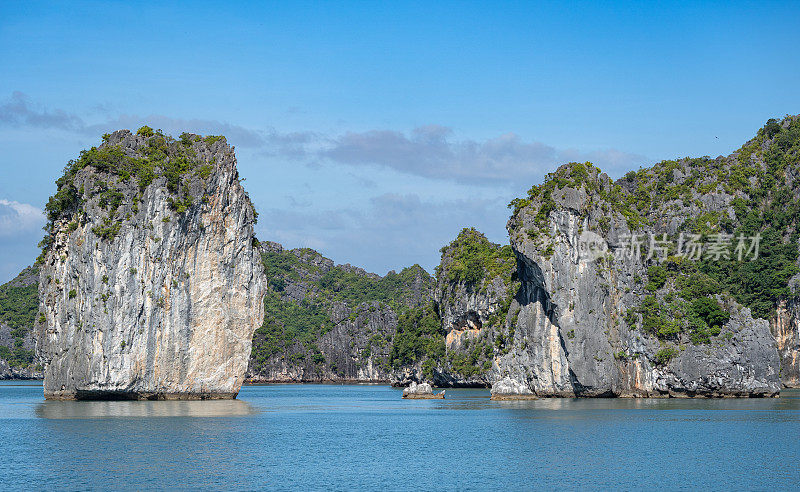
<point>345,437</point>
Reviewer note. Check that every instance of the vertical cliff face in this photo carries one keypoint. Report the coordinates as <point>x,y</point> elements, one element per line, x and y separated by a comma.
<point>595,328</point>
<point>150,283</point>
<point>662,282</point>
<point>786,329</point>
<point>475,288</point>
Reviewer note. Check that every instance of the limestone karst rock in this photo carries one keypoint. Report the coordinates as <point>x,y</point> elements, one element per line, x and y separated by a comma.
<point>421,391</point>
<point>586,324</point>
<point>150,283</point>
<point>561,310</point>
<point>511,389</point>
<point>594,308</point>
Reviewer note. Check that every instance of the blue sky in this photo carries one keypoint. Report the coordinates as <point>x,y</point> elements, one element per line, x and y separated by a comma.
<point>375,131</point>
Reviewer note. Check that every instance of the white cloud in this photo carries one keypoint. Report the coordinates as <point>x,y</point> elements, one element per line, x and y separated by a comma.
<point>18,219</point>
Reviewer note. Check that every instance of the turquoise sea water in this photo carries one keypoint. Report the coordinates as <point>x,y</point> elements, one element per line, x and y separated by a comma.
<point>365,437</point>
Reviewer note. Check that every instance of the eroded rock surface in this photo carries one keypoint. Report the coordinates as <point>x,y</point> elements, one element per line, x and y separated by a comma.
<point>421,391</point>
<point>786,329</point>
<point>151,285</point>
<point>582,326</point>
<point>511,389</point>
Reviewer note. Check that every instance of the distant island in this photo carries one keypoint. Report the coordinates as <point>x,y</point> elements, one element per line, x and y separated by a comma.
<point>677,280</point>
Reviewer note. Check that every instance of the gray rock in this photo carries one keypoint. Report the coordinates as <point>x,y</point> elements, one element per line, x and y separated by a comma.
<point>11,373</point>
<point>167,308</point>
<point>571,337</point>
<point>421,391</point>
<point>786,330</point>
<point>511,389</point>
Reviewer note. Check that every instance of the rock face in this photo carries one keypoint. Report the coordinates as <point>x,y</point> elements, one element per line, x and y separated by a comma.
<point>596,295</point>
<point>572,312</point>
<point>786,329</point>
<point>511,389</point>
<point>338,323</point>
<point>594,327</point>
<point>16,372</point>
<point>150,285</point>
<point>475,285</point>
<point>602,305</point>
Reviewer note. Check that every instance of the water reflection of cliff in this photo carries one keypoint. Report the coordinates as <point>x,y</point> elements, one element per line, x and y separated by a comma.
<point>141,409</point>
<point>472,399</point>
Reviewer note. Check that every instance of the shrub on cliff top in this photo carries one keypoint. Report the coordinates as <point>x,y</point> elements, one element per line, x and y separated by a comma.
<point>772,128</point>
<point>587,176</point>
<point>145,131</point>
<point>162,156</point>
<point>471,258</point>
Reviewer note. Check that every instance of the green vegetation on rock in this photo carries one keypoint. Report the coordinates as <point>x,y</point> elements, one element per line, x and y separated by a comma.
<point>392,289</point>
<point>656,275</point>
<point>689,308</point>
<point>471,258</point>
<point>419,336</point>
<point>706,319</point>
<point>291,328</point>
<point>760,183</point>
<point>288,322</point>
<point>475,359</point>
<point>586,176</point>
<point>666,354</point>
<point>342,283</point>
<point>114,168</point>
<point>19,305</point>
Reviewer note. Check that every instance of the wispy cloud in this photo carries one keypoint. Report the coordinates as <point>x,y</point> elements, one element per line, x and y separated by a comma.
<point>19,111</point>
<point>20,231</point>
<point>429,151</point>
